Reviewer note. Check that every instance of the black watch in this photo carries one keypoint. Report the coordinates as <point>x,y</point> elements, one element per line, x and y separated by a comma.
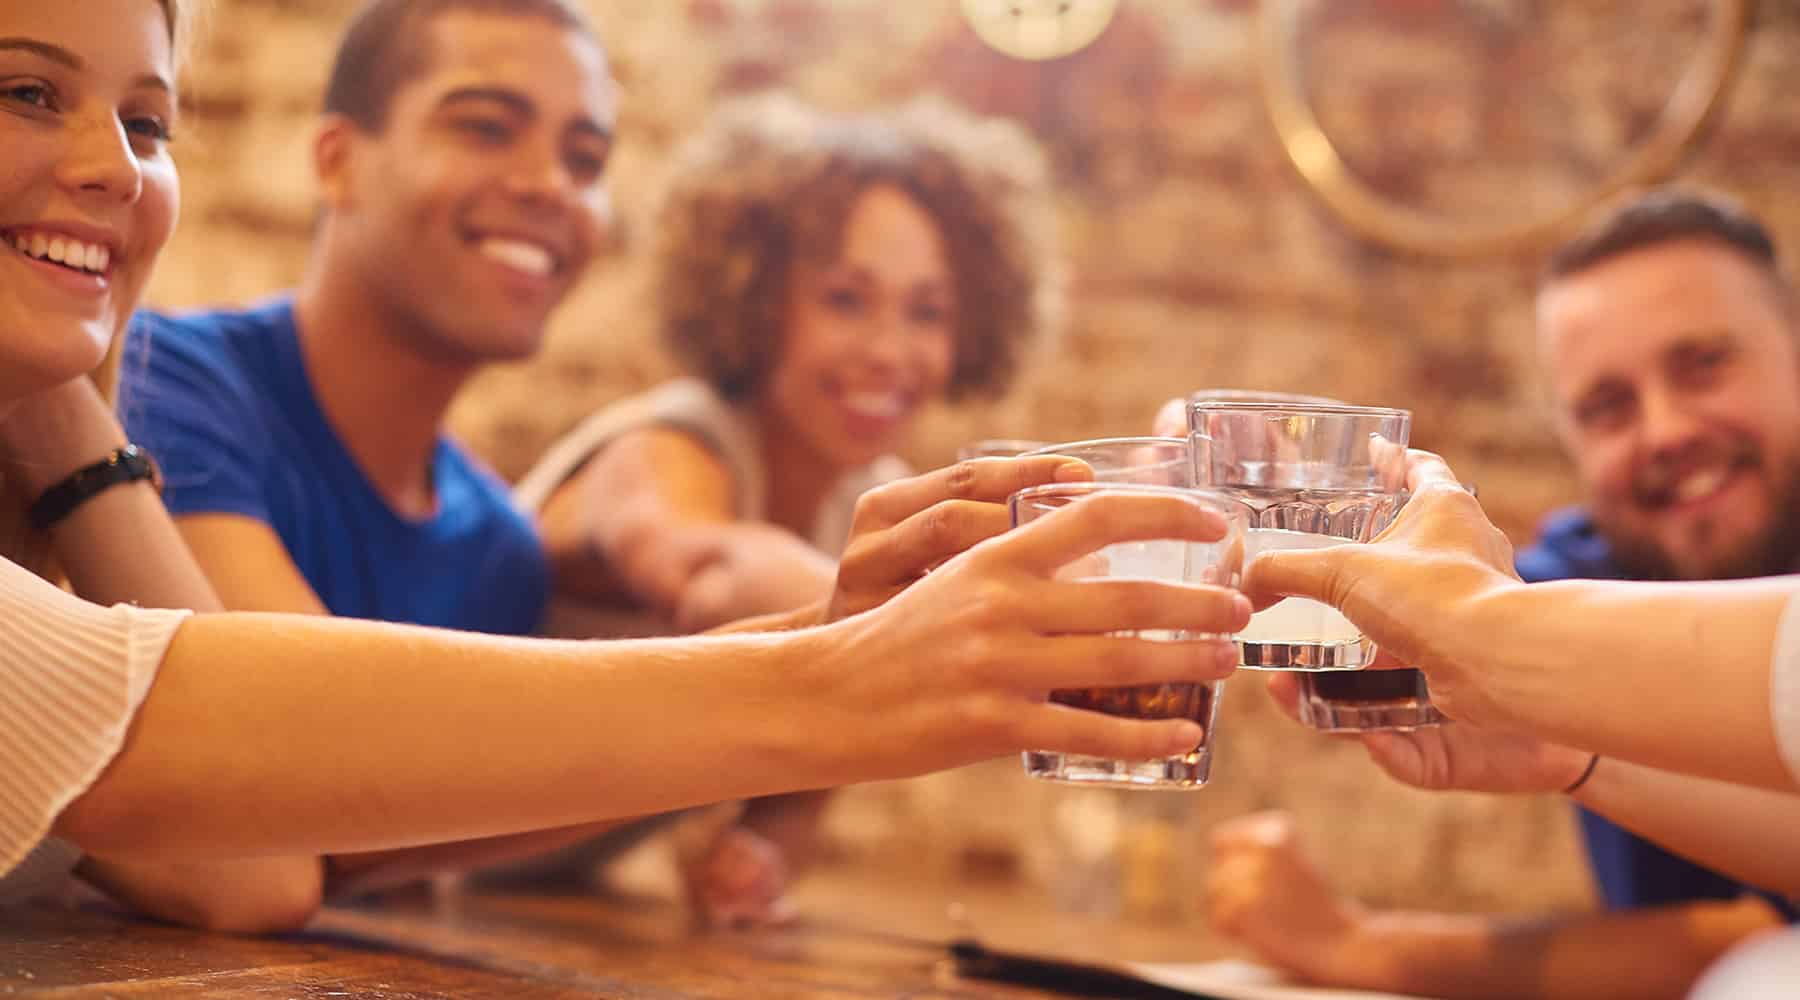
<point>129,464</point>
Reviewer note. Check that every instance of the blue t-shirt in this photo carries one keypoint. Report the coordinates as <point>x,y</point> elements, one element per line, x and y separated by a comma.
<point>1632,871</point>
<point>222,401</point>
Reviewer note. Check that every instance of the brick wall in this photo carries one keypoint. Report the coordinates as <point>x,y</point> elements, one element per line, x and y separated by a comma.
<point>1199,260</point>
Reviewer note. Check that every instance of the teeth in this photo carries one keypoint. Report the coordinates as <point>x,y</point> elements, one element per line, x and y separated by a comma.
<point>875,404</point>
<point>1700,484</point>
<point>63,250</point>
<point>527,257</point>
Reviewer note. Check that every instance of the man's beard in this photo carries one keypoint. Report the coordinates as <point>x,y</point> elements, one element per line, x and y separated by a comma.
<point>1772,551</point>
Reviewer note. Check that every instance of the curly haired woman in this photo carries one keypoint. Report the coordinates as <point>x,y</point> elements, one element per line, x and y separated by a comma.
<point>824,278</point>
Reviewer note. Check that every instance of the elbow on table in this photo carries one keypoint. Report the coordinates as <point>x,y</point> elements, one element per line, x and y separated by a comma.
<point>266,895</point>
<point>275,906</point>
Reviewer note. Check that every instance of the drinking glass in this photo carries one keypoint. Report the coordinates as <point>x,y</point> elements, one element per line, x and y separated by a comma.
<point>997,448</point>
<point>1152,559</point>
<point>1313,475</point>
<point>1259,396</point>
<point>1346,701</point>
<point>1161,461</point>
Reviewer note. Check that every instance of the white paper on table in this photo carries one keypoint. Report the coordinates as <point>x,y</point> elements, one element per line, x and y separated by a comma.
<point>1243,981</point>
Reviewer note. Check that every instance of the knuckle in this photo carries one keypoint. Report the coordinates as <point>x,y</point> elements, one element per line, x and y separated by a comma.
<point>938,527</point>
<point>983,650</point>
<point>963,477</point>
<point>858,551</point>
<point>986,715</point>
<point>994,603</point>
<point>867,511</point>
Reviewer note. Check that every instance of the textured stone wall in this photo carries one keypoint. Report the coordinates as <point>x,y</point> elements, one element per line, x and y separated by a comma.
<point>1199,259</point>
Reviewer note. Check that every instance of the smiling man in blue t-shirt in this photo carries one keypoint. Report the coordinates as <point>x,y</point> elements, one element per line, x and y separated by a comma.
<point>1667,338</point>
<point>460,162</point>
<point>460,159</point>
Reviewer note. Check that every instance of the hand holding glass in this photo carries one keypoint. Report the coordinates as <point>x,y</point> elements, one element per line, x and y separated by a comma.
<point>1219,562</point>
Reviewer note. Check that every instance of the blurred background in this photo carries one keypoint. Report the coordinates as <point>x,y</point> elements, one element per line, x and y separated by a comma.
<point>1198,257</point>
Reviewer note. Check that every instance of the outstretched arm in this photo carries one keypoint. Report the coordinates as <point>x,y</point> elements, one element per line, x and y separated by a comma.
<point>654,515</point>
<point>1675,676</point>
<point>270,733</point>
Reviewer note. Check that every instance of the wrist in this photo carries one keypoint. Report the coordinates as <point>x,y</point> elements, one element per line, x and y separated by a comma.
<point>1478,641</point>
<point>801,709</point>
<point>1582,777</point>
<point>122,467</point>
<point>1383,954</point>
<point>1362,956</point>
<point>1588,785</point>
<point>47,439</point>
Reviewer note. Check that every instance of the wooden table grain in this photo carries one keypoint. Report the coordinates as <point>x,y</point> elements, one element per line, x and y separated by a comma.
<point>866,935</point>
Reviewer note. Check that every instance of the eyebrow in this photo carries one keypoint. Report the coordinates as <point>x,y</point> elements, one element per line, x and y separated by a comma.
<point>63,57</point>
<point>54,53</point>
<point>518,104</point>
<point>1703,337</point>
<point>857,269</point>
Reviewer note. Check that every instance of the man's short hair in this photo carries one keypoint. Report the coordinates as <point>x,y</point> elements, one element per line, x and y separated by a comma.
<point>387,46</point>
<point>1667,215</point>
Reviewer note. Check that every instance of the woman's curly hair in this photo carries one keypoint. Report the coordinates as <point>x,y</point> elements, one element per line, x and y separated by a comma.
<point>770,182</point>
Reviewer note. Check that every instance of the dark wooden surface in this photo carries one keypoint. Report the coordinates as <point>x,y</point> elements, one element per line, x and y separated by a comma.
<point>865,935</point>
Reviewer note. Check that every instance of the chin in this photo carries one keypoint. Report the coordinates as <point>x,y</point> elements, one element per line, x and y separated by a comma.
<point>854,455</point>
<point>79,355</point>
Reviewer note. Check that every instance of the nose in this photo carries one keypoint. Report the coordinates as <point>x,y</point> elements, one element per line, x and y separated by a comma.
<point>100,161</point>
<point>1667,424</point>
<point>537,175</point>
<point>889,343</point>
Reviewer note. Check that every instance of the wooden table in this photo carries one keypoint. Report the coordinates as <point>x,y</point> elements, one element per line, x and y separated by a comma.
<point>866,936</point>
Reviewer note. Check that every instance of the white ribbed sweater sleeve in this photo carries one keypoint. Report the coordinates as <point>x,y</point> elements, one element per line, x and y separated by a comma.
<point>71,677</point>
<point>1784,686</point>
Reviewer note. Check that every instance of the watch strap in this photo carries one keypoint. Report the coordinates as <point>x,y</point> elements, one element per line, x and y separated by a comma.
<point>129,464</point>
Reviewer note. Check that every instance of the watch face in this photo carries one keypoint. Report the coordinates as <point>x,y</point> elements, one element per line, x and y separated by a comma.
<point>1038,29</point>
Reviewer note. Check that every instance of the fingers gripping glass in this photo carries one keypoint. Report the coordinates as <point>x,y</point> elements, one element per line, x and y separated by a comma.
<point>1217,562</point>
<point>1314,475</point>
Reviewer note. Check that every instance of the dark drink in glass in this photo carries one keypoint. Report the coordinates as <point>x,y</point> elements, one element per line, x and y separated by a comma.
<point>1195,701</point>
<point>1360,700</point>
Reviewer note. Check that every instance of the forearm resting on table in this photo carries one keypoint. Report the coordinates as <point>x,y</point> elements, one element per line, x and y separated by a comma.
<point>1639,954</point>
<point>379,737</point>
<point>352,874</point>
<point>1674,676</point>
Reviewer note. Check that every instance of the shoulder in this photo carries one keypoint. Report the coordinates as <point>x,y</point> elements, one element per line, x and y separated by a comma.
<point>679,419</point>
<point>1568,545</point>
<point>167,354</point>
<point>657,469</point>
<point>214,330</point>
